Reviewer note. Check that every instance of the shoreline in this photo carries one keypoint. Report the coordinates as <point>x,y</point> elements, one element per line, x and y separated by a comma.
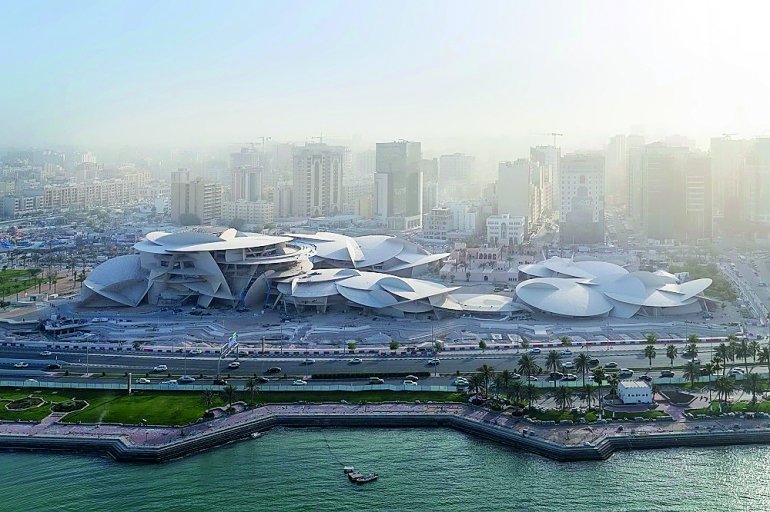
<point>573,443</point>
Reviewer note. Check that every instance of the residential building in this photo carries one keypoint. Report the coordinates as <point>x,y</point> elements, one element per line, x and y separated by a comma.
<point>255,213</point>
<point>437,224</point>
<point>399,185</point>
<point>581,216</point>
<point>548,158</point>
<point>195,201</point>
<point>317,180</point>
<point>247,183</point>
<point>514,189</point>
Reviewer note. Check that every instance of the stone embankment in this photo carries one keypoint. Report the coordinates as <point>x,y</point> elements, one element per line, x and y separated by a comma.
<point>571,443</point>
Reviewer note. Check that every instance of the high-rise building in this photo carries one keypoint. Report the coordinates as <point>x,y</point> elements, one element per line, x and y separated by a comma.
<point>548,159</point>
<point>514,189</point>
<point>317,183</point>
<point>756,183</point>
<point>616,171</point>
<point>399,185</point>
<point>698,198</point>
<point>581,215</point>
<point>195,201</point>
<point>635,153</point>
<point>247,183</point>
<point>728,157</point>
<point>457,172</point>
<point>506,230</point>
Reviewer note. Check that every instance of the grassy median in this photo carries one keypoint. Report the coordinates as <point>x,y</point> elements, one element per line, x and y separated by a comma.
<point>182,408</point>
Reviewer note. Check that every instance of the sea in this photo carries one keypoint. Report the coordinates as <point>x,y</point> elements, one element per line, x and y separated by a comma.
<point>420,470</point>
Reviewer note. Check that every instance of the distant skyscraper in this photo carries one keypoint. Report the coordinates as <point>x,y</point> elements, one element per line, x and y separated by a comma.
<point>247,183</point>
<point>514,189</point>
<point>196,200</point>
<point>456,172</point>
<point>547,158</point>
<point>756,182</point>
<point>398,185</point>
<point>581,216</point>
<point>317,181</point>
<point>616,171</point>
<point>728,158</point>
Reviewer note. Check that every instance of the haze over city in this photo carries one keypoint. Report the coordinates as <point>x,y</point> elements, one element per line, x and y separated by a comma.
<point>489,75</point>
<point>502,236</point>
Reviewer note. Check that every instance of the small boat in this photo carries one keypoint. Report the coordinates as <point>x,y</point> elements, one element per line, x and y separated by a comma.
<point>348,469</point>
<point>256,435</point>
<point>359,478</point>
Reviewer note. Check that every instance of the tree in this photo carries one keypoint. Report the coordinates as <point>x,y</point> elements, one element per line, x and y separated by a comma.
<point>590,393</point>
<point>754,348</point>
<point>691,349</point>
<point>527,366</point>
<point>724,388</point>
<point>583,365</point>
<point>438,346</point>
<point>566,341</point>
<point>505,380</point>
<point>482,345</point>
<point>524,343</point>
<point>251,387</point>
<point>764,357</point>
<point>228,395</point>
<point>649,353</point>
<point>599,376</point>
<point>722,354</point>
<point>208,398</point>
<point>671,353</point>
<point>753,384</point>
<point>352,346</point>
<point>613,380</point>
<point>136,345</point>
<point>514,391</point>
<point>475,382</point>
<point>394,345</point>
<point>732,348</point>
<point>742,351</point>
<point>532,393</point>
<point>709,369</point>
<point>691,372</point>
<point>487,373</point>
<point>651,338</point>
<point>563,397</point>
<point>693,339</point>
<point>553,363</point>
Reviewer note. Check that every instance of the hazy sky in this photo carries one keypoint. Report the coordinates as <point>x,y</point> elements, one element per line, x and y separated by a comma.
<point>167,72</point>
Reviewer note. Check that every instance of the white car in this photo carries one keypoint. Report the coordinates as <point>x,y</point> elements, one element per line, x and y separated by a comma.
<point>234,364</point>
<point>185,379</point>
<point>32,381</point>
<point>45,353</point>
<point>21,364</point>
<point>309,360</point>
<point>356,360</point>
<point>143,381</point>
<point>409,383</point>
<point>534,350</point>
<point>568,365</point>
<point>196,352</point>
<point>459,381</point>
<point>161,368</point>
<point>434,361</point>
<point>737,371</point>
<point>299,382</point>
<point>566,352</point>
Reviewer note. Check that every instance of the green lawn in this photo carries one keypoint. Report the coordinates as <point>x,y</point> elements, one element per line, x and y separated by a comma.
<point>17,280</point>
<point>720,288</point>
<point>181,408</point>
<point>734,407</point>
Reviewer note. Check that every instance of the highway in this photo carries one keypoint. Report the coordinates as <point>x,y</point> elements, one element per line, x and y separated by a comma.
<point>141,364</point>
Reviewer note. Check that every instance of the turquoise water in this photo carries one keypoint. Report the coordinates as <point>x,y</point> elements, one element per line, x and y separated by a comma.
<point>421,470</point>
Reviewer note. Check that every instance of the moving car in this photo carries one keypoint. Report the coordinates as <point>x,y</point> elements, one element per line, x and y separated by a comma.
<point>143,381</point>
<point>376,380</point>
<point>412,377</point>
<point>160,368</point>
<point>234,364</point>
<point>646,378</point>
<point>45,353</point>
<point>299,382</point>
<point>570,377</point>
<point>53,366</point>
<point>220,382</point>
<point>666,374</point>
<point>309,360</point>
<point>356,360</point>
<point>196,352</point>
<point>434,361</point>
<point>185,379</point>
<point>409,383</point>
<point>21,364</point>
<point>534,350</point>
<point>569,365</point>
<point>611,364</point>
<point>274,369</point>
<point>262,380</point>
<point>566,352</point>
<point>625,372</point>
<point>460,381</point>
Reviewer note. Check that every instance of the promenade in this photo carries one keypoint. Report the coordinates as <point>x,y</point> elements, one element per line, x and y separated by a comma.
<point>559,442</point>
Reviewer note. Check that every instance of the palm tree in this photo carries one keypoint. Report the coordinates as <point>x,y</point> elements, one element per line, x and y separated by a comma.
<point>691,349</point>
<point>527,366</point>
<point>754,348</point>
<point>532,393</point>
<point>722,353</point>
<point>671,353</point>
<point>599,377</point>
<point>651,338</point>
<point>732,349</point>
<point>691,372</point>
<point>590,393</point>
<point>487,373</point>
<point>514,391</point>
<point>564,397</point>
<point>566,341</point>
<point>764,357</point>
<point>524,343</point>
<point>753,384</point>
<point>710,369</point>
<point>650,353</point>
<point>725,388</point>
<point>553,363</point>
<point>228,395</point>
<point>505,380</point>
<point>583,365</point>
<point>208,398</point>
<point>742,351</point>
<point>475,382</point>
<point>693,339</point>
<point>251,386</point>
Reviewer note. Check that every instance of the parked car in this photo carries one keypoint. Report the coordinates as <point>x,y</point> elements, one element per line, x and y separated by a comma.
<point>299,382</point>
<point>160,368</point>
<point>234,364</point>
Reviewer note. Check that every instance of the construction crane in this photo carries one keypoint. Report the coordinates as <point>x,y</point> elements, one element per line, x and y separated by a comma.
<point>555,136</point>
<point>253,145</point>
